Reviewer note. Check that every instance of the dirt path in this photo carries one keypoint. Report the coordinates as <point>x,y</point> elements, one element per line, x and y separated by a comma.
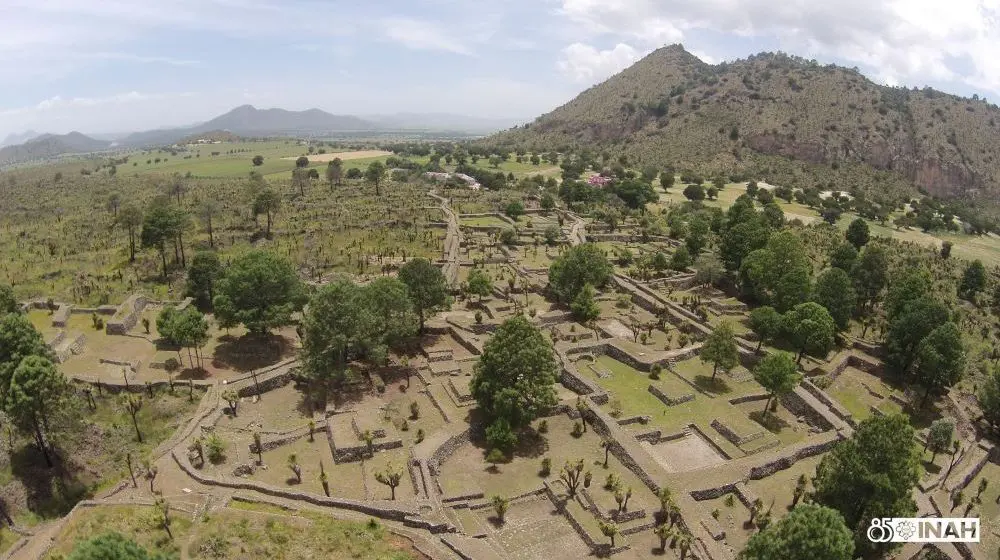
<point>344,156</point>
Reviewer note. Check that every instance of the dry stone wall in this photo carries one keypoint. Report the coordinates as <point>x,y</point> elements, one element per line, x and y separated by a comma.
<point>127,315</point>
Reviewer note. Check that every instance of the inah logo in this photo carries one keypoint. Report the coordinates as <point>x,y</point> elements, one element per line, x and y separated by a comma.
<point>924,529</point>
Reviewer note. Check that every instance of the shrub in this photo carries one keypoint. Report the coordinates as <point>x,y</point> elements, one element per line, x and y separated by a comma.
<point>420,435</point>
<point>654,372</point>
<point>543,427</point>
<point>215,449</point>
<point>546,466</point>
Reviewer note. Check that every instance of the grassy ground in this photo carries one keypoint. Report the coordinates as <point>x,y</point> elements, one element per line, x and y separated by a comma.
<point>92,446</point>
<point>238,532</point>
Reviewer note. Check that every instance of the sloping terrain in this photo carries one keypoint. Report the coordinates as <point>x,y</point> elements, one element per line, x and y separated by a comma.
<point>672,108</point>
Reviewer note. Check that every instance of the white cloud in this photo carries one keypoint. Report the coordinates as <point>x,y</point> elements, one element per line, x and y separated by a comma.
<point>584,63</point>
<point>913,41</point>
<point>422,35</point>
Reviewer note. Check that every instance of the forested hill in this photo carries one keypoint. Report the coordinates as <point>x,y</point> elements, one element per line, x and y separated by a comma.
<point>759,114</point>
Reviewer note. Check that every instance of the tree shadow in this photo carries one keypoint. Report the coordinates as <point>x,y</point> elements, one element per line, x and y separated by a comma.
<point>250,351</point>
<point>193,373</point>
<point>495,522</point>
<point>717,385</point>
<point>771,421</point>
<point>531,444</point>
<point>50,492</point>
<point>931,468</point>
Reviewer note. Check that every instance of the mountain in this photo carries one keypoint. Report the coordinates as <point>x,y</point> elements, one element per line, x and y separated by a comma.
<point>15,138</point>
<point>247,120</point>
<point>779,117</point>
<point>49,145</point>
<point>439,122</point>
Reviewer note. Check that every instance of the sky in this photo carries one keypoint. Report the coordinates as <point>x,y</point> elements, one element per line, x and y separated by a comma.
<point>102,66</point>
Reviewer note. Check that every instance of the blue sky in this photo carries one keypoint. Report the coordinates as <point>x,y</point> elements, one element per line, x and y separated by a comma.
<point>120,65</point>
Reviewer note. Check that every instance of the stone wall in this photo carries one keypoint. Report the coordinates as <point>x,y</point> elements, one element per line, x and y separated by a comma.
<point>732,436</point>
<point>61,315</point>
<point>447,449</point>
<point>668,400</point>
<point>127,315</point>
<point>395,511</point>
<point>791,457</point>
<point>833,405</point>
<point>799,407</point>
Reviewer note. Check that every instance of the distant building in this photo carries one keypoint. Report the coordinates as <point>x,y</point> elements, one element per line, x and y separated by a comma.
<point>599,181</point>
<point>471,181</point>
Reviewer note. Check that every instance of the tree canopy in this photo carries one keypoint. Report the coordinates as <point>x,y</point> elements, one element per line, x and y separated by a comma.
<point>513,379</point>
<point>810,329</point>
<point>202,276</point>
<point>720,349</point>
<point>872,474</point>
<point>8,303</point>
<point>778,274</point>
<point>857,233</point>
<point>259,290</point>
<point>835,292</point>
<point>427,287</point>
<point>346,321</point>
<point>809,532</point>
<point>576,267</point>
<point>940,361</point>
<point>777,373</point>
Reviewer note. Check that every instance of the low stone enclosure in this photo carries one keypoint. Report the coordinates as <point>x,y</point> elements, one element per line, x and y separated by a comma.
<point>127,315</point>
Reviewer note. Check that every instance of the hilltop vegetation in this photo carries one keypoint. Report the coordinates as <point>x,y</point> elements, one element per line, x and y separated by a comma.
<point>780,118</point>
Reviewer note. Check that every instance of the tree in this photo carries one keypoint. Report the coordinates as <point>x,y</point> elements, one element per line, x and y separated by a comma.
<point>810,531</point>
<point>347,321</point>
<point>871,474</point>
<point>810,329</point>
<point>609,529</point>
<point>584,308</point>
<point>917,319</point>
<point>767,323</point>
<point>989,399</point>
<point>207,211</point>
<point>302,161</point>
<point>857,233</point>
<point>774,216</point>
<point>36,389</point>
<point>201,278</point>
<point>268,203</point>
<point>973,280</point>
<point>375,174</point>
<point>301,177</point>
<point>844,257</point>
<point>946,249</point>
<point>694,193</point>
<point>576,267</point>
<point>547,203</point>
<point>720,348</point>
<point>257,161</point>
<point>111,546</point>
<point>779,273</point>
<point>870,274</point>
<point>571,475</point>
<point>681,259</point>
<point>777,373</point>
<point>130,217</point>
<point>913,284</point>
<point>8,303</point>
<point>940,359</point>
<point>500,507</point>
<point>939,437</point>
<point>512,381</point>
<point>742,238</point>
<point>428,288</point>
<point>18,340</point>
<point>708,269</point>
<point>259,290</point>
<point>479,283</point>
<point>190,330</point>
<point>160,225</point>
<point>335,171</point>
<point>514,209</point>
<point>293,464</point>
<point>664,532</point>
<point>834,292</point>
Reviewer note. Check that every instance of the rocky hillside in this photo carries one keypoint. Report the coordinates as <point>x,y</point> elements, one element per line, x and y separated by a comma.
<point>771,109</point>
